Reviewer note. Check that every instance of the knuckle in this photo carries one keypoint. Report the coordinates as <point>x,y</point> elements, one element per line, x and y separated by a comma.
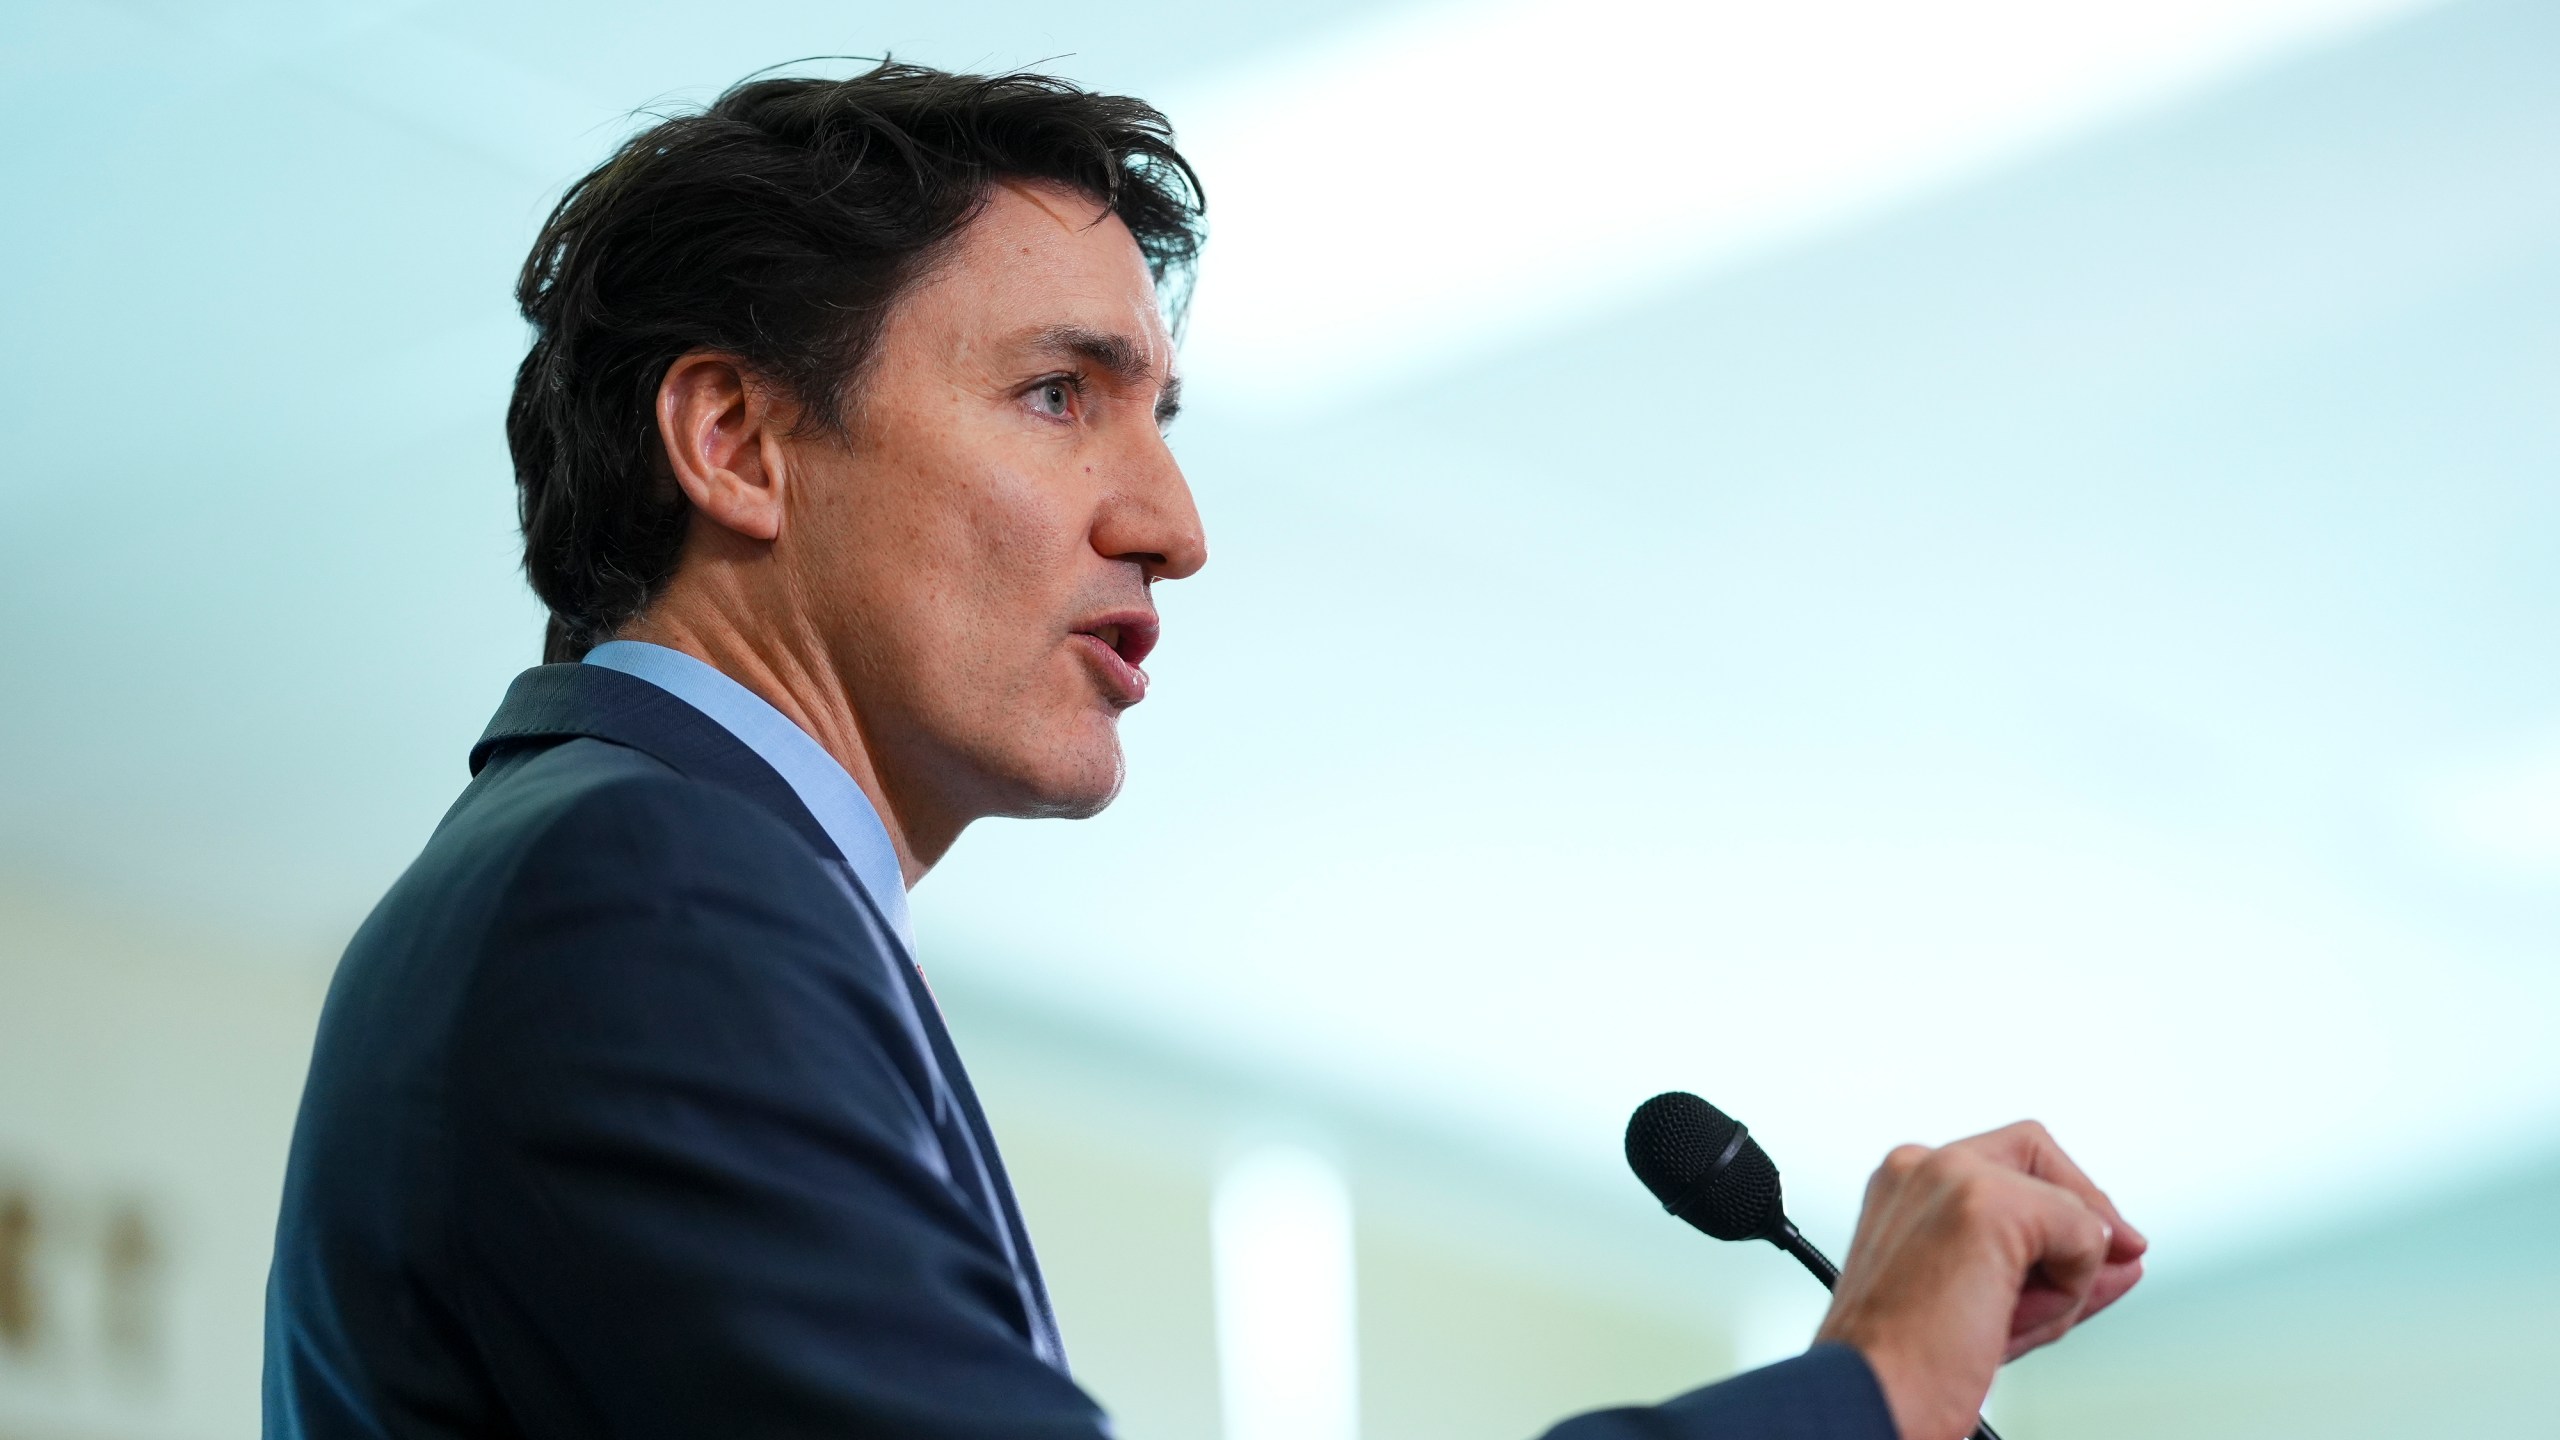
<point>2094,1230</point>
<point>1902,1161</point>
<point>1976,1197</point>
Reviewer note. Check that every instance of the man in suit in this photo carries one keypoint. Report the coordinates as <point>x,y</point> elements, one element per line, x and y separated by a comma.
<point>842,472</point>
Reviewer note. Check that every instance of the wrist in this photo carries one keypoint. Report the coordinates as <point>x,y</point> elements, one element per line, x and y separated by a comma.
<point>1907,1385</point>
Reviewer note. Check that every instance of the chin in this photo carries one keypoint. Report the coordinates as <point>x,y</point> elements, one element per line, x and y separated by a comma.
<point>1081,801</point>
<point>1077,807</point>
<point>1075,780</point>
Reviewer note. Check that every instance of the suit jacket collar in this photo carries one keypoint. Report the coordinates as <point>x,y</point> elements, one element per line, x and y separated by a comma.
<point>552,703</point>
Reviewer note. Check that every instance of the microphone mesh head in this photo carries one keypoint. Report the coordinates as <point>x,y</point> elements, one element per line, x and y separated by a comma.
<point>1673,1142</point>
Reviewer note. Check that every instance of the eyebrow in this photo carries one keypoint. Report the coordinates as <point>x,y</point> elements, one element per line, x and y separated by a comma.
<point>1122,357</point>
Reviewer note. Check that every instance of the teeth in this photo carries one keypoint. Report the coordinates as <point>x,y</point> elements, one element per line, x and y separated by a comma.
<point>1110,635</point>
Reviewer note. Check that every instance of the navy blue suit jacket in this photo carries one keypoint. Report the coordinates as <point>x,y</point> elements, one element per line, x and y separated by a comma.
<point>630,1117</point>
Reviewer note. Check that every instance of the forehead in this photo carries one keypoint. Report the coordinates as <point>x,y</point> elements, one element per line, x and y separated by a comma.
<point>1036,258</point>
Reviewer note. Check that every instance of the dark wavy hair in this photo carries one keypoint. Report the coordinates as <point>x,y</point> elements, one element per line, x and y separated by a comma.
<point>777,225</point>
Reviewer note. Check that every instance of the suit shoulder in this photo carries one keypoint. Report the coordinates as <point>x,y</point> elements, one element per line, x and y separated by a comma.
<point>527,797</point>
<point>589,810</point>
<point>648,812</point>
<point>690,933</point>
<point>578,834</point>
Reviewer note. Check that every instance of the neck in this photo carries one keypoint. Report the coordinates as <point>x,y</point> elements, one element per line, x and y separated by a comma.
<point>793,674</point>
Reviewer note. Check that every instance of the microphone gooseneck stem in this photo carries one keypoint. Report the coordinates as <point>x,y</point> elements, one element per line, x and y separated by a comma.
<point>1790,1239</point>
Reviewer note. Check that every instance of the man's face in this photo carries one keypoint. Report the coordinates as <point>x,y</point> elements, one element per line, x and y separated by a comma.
<point>979,556</point>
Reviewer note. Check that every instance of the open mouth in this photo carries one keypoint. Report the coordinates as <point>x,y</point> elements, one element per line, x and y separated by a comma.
<point>1131,640</point>
<point>1117,645</point>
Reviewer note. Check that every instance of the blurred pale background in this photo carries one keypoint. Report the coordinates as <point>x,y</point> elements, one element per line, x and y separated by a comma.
<point>1896,565</point>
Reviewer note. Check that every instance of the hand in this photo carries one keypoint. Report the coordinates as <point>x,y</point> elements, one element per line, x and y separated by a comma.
<point>1968,1256</point>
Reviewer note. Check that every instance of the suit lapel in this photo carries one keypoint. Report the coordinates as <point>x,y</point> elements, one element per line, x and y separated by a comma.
<point>997,1186</point>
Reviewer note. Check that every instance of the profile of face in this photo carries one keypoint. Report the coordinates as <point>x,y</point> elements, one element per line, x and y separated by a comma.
<point>984,548</point>
<point>970,563</point>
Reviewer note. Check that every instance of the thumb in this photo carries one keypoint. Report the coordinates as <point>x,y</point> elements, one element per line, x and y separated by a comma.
<point>2064,1251</point>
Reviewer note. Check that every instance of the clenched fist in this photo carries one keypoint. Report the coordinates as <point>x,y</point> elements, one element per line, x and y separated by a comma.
<point>1970,1255</point>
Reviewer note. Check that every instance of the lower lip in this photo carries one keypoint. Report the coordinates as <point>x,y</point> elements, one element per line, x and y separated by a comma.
<point>1123,682</point>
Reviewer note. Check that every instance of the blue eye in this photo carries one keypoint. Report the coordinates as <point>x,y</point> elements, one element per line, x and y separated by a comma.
<point>1053,398</point>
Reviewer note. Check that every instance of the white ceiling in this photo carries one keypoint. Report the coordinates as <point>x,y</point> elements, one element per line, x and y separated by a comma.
<point>1575,155</point>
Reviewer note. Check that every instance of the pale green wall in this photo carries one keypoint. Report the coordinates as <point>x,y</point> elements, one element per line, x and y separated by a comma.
<point>1459,1344</point>
<point>150,1067</point>
<point>1495,1295</point>
<point>1492,1299</point>
<point>2440,1318</point>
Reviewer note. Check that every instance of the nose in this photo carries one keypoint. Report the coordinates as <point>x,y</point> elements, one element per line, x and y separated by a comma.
<point>1150,517</point>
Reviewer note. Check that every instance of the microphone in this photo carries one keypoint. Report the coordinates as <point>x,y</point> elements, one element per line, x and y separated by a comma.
<point>1704,1167</point>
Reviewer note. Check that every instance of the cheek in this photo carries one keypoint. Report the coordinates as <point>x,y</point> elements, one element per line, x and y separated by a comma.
<point>957,574</point>
<point>1007,574</point>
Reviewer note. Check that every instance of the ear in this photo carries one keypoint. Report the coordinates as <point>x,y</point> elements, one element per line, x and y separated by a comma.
<point>723,437</point>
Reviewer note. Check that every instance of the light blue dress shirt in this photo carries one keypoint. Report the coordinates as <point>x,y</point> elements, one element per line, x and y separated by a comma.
<point>839,805</point>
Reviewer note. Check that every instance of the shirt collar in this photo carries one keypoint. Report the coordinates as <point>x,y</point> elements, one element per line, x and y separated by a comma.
<point>833,799</point>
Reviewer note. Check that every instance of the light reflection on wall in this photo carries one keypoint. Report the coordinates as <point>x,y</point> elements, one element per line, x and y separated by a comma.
<point>1280,1228</point>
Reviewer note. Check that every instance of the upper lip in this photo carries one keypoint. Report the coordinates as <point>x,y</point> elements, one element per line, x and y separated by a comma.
<point>1131,633</point>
